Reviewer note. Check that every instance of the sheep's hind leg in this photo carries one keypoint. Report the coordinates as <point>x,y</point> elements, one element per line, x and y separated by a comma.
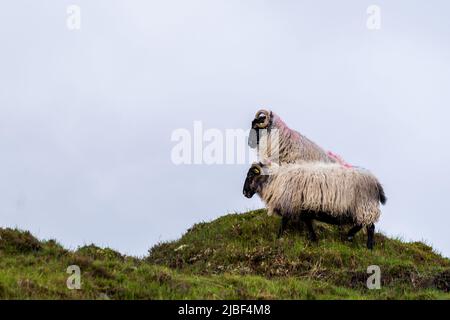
<point>312,233</point>
<point>283,224</point>
<point>370,236</point>
<point>352,232</point>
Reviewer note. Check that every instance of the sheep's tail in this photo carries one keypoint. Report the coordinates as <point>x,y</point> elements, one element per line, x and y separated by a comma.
<point>382,196</point>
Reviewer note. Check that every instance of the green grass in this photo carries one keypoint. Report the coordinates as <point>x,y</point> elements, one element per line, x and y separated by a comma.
<point>234,257</point>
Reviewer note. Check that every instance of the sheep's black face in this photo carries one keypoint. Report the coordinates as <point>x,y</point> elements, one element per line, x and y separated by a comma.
<point>254,180</point>
<point>262,121</point>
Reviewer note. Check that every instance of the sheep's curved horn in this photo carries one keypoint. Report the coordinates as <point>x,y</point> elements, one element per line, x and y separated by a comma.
<point>257,166</point>
<point>266,113</point>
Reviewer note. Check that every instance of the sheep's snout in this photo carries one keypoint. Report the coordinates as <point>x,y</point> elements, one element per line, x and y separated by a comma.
<point>248,194</point>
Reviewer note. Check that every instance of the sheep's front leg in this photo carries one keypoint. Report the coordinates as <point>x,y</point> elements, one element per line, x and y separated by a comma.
<point>370,236</point>
<point>312,233</point>
<point>352,232</point>
<point>283,224</point>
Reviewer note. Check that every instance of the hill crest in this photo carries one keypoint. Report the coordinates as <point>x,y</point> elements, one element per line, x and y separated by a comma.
<point>236,256</point>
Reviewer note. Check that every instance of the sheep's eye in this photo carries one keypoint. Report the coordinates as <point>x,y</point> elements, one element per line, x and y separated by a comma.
<point>256,170</point>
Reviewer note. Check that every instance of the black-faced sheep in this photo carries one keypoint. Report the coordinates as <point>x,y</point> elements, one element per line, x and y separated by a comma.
<point>326,192</point>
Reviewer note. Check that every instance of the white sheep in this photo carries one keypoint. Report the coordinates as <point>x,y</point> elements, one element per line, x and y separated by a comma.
<point>326,192</point>
<point>291,146</point>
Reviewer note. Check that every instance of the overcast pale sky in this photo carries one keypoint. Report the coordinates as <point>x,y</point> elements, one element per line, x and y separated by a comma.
<point>86,116</point>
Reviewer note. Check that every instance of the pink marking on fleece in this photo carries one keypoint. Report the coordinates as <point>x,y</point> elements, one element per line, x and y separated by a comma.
<point>283,128</point>
<point>339,159</point>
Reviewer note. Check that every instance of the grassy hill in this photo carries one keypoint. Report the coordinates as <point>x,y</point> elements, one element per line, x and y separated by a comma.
<point>234,257</point>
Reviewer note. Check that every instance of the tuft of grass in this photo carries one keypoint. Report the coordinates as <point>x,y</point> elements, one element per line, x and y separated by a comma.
<point>236,256</point>
<point>17,241</point>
